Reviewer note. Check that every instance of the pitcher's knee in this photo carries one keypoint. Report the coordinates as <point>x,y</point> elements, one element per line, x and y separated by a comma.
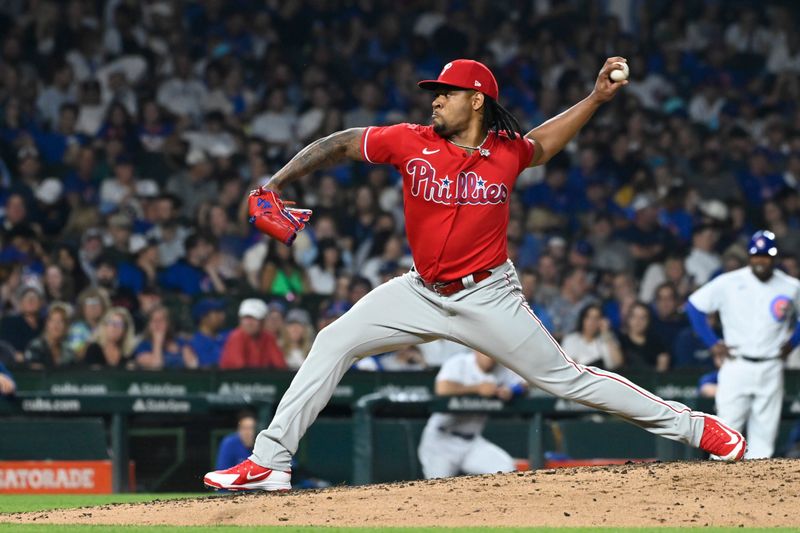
<point>333,342</point>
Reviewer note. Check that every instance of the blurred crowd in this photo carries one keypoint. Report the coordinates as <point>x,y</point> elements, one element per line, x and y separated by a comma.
<point>131,132</point>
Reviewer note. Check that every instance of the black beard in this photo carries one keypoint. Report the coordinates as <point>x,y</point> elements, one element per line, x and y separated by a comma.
<point>441,130</point>
<point>763,275</point>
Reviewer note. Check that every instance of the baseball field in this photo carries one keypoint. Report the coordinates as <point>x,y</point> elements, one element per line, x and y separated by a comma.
<point>758,495</point>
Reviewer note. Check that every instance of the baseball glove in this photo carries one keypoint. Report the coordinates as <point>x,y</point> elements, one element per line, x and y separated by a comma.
<point>269,214</point>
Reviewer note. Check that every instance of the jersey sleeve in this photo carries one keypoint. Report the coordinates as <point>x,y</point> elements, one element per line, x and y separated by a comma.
<point>451,371</point>
<point>525,151</point>
<point>384,144</point>
<point>708,298</point>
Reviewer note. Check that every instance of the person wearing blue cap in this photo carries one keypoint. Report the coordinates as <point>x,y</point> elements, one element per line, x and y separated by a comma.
<point>758,306</point>
<point>208,340</point>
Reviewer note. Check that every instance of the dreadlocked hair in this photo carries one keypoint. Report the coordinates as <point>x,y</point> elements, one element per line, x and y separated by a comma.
<point>497,118</point>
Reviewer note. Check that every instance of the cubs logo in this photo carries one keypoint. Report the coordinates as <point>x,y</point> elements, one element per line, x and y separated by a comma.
<point>468,188</point>
<point>780,307</point>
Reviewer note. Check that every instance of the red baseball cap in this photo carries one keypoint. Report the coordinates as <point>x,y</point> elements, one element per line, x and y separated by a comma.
<point>465,74</point>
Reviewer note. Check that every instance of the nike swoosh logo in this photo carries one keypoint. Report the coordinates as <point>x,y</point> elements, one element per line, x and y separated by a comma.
<point>429,152</point>
<point>259,476</point>
<point>733,436</point>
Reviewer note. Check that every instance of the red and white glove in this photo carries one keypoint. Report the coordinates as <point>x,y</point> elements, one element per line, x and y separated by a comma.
<point>269,214</point>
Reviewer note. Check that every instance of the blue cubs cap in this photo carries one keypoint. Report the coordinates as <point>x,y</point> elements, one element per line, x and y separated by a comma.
<point>203,307</point>
<point>762,243</point>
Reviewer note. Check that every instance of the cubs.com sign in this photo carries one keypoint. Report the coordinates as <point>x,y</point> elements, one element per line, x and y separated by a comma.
<point>55,477</point>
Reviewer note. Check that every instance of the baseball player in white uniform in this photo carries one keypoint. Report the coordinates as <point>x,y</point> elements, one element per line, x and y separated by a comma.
<point>457,177</point>
<point>452,444</point>
<point>758,307</point>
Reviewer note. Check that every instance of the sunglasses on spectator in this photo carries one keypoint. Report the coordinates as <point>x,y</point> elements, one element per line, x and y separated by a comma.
<point>116,322</point>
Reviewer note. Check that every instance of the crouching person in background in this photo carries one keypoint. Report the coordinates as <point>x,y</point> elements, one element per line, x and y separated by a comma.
<point>452,443</point>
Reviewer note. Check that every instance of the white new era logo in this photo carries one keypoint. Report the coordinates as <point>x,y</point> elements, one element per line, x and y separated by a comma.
<point>477,83</point>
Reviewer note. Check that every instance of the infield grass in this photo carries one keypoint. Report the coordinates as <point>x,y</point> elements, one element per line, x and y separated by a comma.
<point>22,503</point>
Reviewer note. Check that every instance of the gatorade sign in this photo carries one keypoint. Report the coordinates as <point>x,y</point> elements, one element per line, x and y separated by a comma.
<point>55,477</point>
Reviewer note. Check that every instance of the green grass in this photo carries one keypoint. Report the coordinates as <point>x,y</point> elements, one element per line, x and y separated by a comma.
<point>20,503</point>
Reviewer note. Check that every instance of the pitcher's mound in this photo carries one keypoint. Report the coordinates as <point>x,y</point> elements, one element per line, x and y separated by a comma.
<point>751,494</point>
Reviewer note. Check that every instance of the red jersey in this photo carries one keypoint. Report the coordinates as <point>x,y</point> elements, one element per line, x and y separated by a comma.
<point>243,351</point>
<point>456,204</point>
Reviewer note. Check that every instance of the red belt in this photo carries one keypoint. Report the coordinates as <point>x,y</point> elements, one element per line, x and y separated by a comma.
<point>448,288</point>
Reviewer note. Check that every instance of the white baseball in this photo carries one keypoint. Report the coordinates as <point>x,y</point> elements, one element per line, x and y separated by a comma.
<point>621,73</point>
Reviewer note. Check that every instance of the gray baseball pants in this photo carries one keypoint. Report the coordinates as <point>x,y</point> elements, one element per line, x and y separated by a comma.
<point>491,317</point>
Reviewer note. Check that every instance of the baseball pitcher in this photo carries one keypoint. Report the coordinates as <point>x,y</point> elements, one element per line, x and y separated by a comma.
<point>458,174</point>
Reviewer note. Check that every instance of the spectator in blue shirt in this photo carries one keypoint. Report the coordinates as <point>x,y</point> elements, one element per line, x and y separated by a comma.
<point>196,272</point>
<point>161,347</point>
<point>142,270</point>
<point>7,385</point>
<point>62,145</point>
<point>237,446</point>
<point>207,341</point>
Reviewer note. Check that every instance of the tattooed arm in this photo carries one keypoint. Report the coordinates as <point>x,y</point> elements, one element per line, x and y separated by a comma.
<point>321,153</point>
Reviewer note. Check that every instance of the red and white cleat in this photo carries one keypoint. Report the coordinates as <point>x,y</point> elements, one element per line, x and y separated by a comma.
<point>721,441</point>
<point>249,476</point>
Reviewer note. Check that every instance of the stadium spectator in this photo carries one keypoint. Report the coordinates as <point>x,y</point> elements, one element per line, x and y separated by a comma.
<point>20,328</point>
<point>50,349</point>
<point>594,342</point>
<point>57,287</point>
<point>161,347</point>
<point>529,282</point>
<point>326,268</point>
<point>119,191</point>
<point>667,319</point>
<point>250,345</point>
<point>209,340</point>
<point>120,231</point>
<point>113,341</point>
<point>391,252</point>
<point>107,279</point>
<point>141,270</point>
<point>672,270</point>
<point>296,337</point>
<point>623,296</point>
<point>703,261</point>
<point>51,211</point>
<point>575,294</point>
<point>7,385</point>
<point>92,306</point>
<point>641,349</point>
<point>646,239</point>
<point>197,272</point>
<point>236,447</point>
<point>549,284</point>
<point>280,273</point>
<point>198,179</point>
<point>14,213</point>
<point>276,318</point>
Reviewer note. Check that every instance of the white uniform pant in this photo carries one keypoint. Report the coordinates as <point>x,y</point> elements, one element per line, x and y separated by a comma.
<point>444,455</point>
<point>749,398</point>
<point>491,317</point>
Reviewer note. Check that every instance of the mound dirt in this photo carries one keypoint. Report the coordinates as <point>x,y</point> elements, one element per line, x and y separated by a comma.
<point>751,494</point>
